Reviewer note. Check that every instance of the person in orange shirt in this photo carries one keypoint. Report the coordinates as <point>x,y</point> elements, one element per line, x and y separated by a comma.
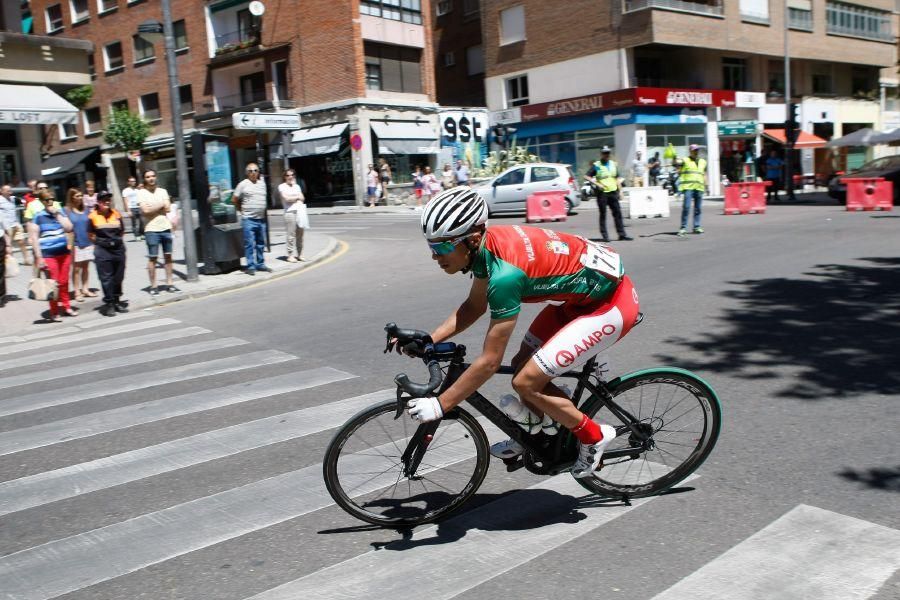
<point>107,231</point>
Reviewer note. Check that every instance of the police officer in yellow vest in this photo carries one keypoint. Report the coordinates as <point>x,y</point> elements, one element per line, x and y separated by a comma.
<point>692,181</point>
<point>605,174</point>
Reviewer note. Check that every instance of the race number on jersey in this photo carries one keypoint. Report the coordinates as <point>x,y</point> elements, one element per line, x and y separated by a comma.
<point>603,260</point>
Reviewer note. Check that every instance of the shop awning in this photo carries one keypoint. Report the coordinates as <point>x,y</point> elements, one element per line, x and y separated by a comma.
<point>860,137</point>
<point>34,105</point>
<point>887,137</point>
<point>405,137</point>
<point>804,140</point>
<point>64,163</point>
<point>324,139</point>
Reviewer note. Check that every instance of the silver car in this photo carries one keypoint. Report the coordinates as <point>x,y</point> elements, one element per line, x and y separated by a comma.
<point>507,192</point>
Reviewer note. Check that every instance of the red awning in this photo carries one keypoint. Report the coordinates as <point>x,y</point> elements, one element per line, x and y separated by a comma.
<point>805,140</point>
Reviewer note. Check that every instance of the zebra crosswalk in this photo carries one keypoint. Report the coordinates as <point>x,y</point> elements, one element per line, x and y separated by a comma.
<point>149,543</point>
<point>368,225</point>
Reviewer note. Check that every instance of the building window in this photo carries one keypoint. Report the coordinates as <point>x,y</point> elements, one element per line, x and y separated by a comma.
<point>517,91</point>
<point>180,30</point>
<point>408,11</point>
<point>470,7</point>
<point>80,10</point>
<point>864,81</point>
<point>444,7</point>
<point>107,5</point>
<point>118,105</point>
<point>822,79</point>
<point>253,88</point>
<point>143,50</point>
<point>54,18</point>
<point>280,80</point>
<point>755,11</point>
<point>186,96</point>
<point>512,25</point>
<point>112,56</point>
<point>734,73</point>
<point>449,59</point>
<point>776,77</point>
<point>92,71</point>
<point>475,60</point>
<point>393,68</point>
<point>800,15</point>
<point>150,107</point>
<point>68,131</point>
<point>858,21</point>
<point>92,121</point>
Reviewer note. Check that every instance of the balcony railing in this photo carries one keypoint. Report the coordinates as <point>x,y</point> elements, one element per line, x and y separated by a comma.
<point>236,101</point>
<point>236,40</point>
<point>712,8</point>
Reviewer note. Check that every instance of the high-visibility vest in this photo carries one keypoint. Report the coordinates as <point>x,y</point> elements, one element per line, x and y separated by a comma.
<point>691,175</point>
<point>607,176</point>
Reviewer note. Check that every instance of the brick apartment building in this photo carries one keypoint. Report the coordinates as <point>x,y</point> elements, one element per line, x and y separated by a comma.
<point>359,72</point>
<point>459,53</point>
<point>641,74</point>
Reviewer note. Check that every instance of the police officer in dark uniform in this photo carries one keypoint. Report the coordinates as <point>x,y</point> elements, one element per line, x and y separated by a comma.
<point>107,231</point>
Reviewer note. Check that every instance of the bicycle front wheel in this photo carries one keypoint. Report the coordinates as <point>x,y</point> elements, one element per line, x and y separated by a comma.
<point>681,415</point>
<point>365,474</point>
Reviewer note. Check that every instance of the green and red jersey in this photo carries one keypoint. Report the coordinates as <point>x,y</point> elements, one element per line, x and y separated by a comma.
<point>530,264</point>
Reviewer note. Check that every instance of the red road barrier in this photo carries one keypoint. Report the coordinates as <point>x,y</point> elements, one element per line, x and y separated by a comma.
<point>874,193</point>
<point>546,206</point>
<point>746,197</point>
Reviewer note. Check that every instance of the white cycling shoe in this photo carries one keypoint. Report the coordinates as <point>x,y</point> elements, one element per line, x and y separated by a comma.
<point>589,455</point>
<point>507,449</point>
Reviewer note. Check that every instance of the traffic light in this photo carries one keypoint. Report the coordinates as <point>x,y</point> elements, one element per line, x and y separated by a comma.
<point>502,134</point>
<point>792,124</point>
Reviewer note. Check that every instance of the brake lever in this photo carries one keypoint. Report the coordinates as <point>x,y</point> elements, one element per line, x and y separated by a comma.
<point>401,403</point>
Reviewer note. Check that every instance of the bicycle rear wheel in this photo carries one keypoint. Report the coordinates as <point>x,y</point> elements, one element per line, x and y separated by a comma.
<point>681,414</point>
<point>364,472</point>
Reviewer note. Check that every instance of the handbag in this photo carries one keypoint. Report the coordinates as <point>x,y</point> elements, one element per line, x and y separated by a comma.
<point>12,266</point>
<point>42,288</point>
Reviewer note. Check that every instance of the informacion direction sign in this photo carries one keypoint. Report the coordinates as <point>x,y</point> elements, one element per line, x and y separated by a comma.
<point>261,120</point>
<point>737,128</point>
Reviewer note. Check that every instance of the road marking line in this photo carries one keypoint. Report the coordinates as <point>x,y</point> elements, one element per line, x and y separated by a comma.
<point>486,542</point>
<point>140,358</point>
<point>59,484</point>
<point>59,567</point>
<point>90,349</point>
<point>92,424</point>
<point>807,553</point>
<point>56,341</point>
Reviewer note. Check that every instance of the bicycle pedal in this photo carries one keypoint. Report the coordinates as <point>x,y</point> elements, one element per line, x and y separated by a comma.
<point>513,464</point>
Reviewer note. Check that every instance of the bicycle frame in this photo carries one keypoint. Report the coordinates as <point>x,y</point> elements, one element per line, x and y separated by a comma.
<point>546,454</point>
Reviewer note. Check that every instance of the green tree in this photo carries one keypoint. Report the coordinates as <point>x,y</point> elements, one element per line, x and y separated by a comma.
<point>80,96</point>
<point>126,130</point>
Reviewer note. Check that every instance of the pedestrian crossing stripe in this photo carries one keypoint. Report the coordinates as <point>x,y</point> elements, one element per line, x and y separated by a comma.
<point>65,339</point>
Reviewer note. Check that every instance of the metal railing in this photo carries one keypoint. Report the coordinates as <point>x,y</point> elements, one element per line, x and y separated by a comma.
<point>714,8</point>
<point>237,40</point>
<point>235,101</point>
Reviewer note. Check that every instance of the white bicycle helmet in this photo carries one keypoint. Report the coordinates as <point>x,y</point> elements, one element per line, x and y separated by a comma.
<point>453,212</point>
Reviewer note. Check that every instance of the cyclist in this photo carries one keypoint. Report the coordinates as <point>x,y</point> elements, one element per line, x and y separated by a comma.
<point>596,305</point>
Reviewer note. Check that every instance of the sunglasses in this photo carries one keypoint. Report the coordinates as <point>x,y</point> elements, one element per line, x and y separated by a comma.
<point>445,248</point>
<point>43,188</point>
<point>253,170</point>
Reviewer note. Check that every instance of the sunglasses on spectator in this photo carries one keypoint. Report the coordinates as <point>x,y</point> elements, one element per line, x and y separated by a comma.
<point>43,187</point>
<point>253,170</point>
<point>445,248</point>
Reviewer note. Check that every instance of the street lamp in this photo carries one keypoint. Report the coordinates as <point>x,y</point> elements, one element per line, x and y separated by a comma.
<point>153,30</point>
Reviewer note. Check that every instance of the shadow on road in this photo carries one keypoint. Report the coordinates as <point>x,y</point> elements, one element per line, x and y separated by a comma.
<point>839,327</point>
<point>880,478</point>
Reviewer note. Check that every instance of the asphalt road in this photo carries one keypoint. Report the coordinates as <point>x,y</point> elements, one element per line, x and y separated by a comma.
<point>179,455</point>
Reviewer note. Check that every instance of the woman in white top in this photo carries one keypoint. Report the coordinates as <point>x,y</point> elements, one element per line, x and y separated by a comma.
<point>295,217</point>
<point>431,185</point>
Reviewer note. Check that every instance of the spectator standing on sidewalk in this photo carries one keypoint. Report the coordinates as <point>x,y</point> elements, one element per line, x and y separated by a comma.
<point>36,206</point>
<point>608,180</point>
<point>692,182</point>
<point>431,185</point>
<point>130,196</point>
<point>462,173</point>
<point>90,195</point>
<point>155,204</point>
<point>655,167</point>
<point>638,170</point>
<point>5,254</point>
<point>295,216</point>
<point>774,169</point>
<point>372,186</point>
<point>418,186</point>
<point>82,247</point>
<point>250,201</point>
<point>12,227</point>
<point>47,232</point>
<point>384,174</point>
<point>107,231</point>
<point>448,177</point>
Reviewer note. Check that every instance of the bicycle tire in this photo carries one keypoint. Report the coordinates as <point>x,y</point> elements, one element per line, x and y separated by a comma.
<point>616,478</point>
<point>355,496</point>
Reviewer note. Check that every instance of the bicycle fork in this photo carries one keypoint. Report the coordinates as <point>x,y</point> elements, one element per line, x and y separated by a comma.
<point>415,449</point>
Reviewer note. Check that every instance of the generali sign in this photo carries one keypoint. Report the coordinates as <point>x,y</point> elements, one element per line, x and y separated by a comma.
<point>639,96</point>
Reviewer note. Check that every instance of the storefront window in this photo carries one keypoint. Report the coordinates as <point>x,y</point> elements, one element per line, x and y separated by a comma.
<point>680,136</point>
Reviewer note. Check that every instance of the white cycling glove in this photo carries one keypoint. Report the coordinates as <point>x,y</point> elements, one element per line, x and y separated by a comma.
<point>425,409</point>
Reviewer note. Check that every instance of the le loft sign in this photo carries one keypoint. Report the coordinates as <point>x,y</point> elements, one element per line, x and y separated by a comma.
<point>639,96</point>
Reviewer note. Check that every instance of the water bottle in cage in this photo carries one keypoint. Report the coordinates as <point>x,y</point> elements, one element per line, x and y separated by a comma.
<point>513,408</point>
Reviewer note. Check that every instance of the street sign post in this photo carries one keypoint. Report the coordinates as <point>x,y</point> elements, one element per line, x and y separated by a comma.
<point>265,120</point>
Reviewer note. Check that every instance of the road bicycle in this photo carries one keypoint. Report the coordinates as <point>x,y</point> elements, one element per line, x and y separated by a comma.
<point>386,469</point>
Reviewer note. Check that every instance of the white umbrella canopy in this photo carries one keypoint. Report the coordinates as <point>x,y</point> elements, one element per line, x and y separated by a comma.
<point>860,137</point>
<point>886,137</point>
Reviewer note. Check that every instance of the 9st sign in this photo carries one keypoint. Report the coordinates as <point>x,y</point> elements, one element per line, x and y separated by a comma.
<point>464,126</point>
